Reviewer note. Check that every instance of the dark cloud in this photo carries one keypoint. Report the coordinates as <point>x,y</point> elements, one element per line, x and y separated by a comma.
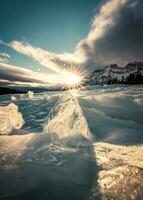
<point>116,34</point>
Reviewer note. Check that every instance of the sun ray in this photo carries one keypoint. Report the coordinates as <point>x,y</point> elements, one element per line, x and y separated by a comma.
<point>73,77</point>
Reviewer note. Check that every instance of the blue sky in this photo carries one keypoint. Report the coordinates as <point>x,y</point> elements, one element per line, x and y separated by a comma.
<point>54,25</point>
<point>41,40</point>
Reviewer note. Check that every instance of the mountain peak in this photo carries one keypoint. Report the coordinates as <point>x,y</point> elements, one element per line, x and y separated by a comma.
<point>132,73</point>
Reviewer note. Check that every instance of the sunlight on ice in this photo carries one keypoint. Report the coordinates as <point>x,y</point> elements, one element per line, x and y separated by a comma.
<point>13,98</point>
<point>10,118</point>
<point>30,94</point>
<point>67,119</point>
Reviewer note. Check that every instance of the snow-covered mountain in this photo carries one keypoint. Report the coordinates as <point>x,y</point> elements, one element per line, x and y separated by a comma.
<point>132,73</point>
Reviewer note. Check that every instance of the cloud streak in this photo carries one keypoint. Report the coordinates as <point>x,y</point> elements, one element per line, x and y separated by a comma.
<point>11,74</point>
<point>53,61</point>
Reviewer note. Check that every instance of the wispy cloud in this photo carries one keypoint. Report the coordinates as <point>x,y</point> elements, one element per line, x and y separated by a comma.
<point>53,61</point>
<point>4,57</point>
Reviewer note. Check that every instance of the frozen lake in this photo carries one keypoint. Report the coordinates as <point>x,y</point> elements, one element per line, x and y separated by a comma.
<point>74,145</point>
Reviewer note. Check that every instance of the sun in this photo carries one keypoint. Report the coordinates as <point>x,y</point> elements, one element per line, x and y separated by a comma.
<point>73,78</point>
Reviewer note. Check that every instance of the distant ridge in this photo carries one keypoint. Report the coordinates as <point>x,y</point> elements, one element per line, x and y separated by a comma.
<point>5,90</point>
<point>24,89</point>
<point>132,73</point>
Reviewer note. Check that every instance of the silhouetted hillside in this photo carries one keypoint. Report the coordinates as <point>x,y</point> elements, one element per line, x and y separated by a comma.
<point>5,90</point>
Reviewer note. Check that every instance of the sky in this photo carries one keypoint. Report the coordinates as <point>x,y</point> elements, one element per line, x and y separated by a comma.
<point>41,40</point>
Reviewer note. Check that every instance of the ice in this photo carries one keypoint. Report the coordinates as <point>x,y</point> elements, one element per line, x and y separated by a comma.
<point>37,162</point>
<point>66,118</point>
<point>13,98</point>
<point>121,173</point>
<point>114,114</point>
<point>10,118</point>
<point>30,94</point>
<point>57,163</point>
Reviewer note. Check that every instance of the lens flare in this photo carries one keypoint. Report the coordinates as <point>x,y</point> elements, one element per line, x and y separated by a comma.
<point>73,78</point>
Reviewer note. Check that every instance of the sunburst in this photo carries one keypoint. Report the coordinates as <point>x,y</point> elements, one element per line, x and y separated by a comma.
<point>73,78</point>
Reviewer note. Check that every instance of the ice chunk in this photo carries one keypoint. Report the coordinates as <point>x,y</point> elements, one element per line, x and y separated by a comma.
<point>10,118</point>
<point>13,98</point>
<point>66,118</point>
<point>30,94</point>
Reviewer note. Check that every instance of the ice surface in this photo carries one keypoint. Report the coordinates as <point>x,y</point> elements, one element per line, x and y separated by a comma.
<point>39,164</point>
<point>121,174</point>
<point>10,118</point>
<point>42,166</point>
<point>35,111</point>
<point>115,113</point>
